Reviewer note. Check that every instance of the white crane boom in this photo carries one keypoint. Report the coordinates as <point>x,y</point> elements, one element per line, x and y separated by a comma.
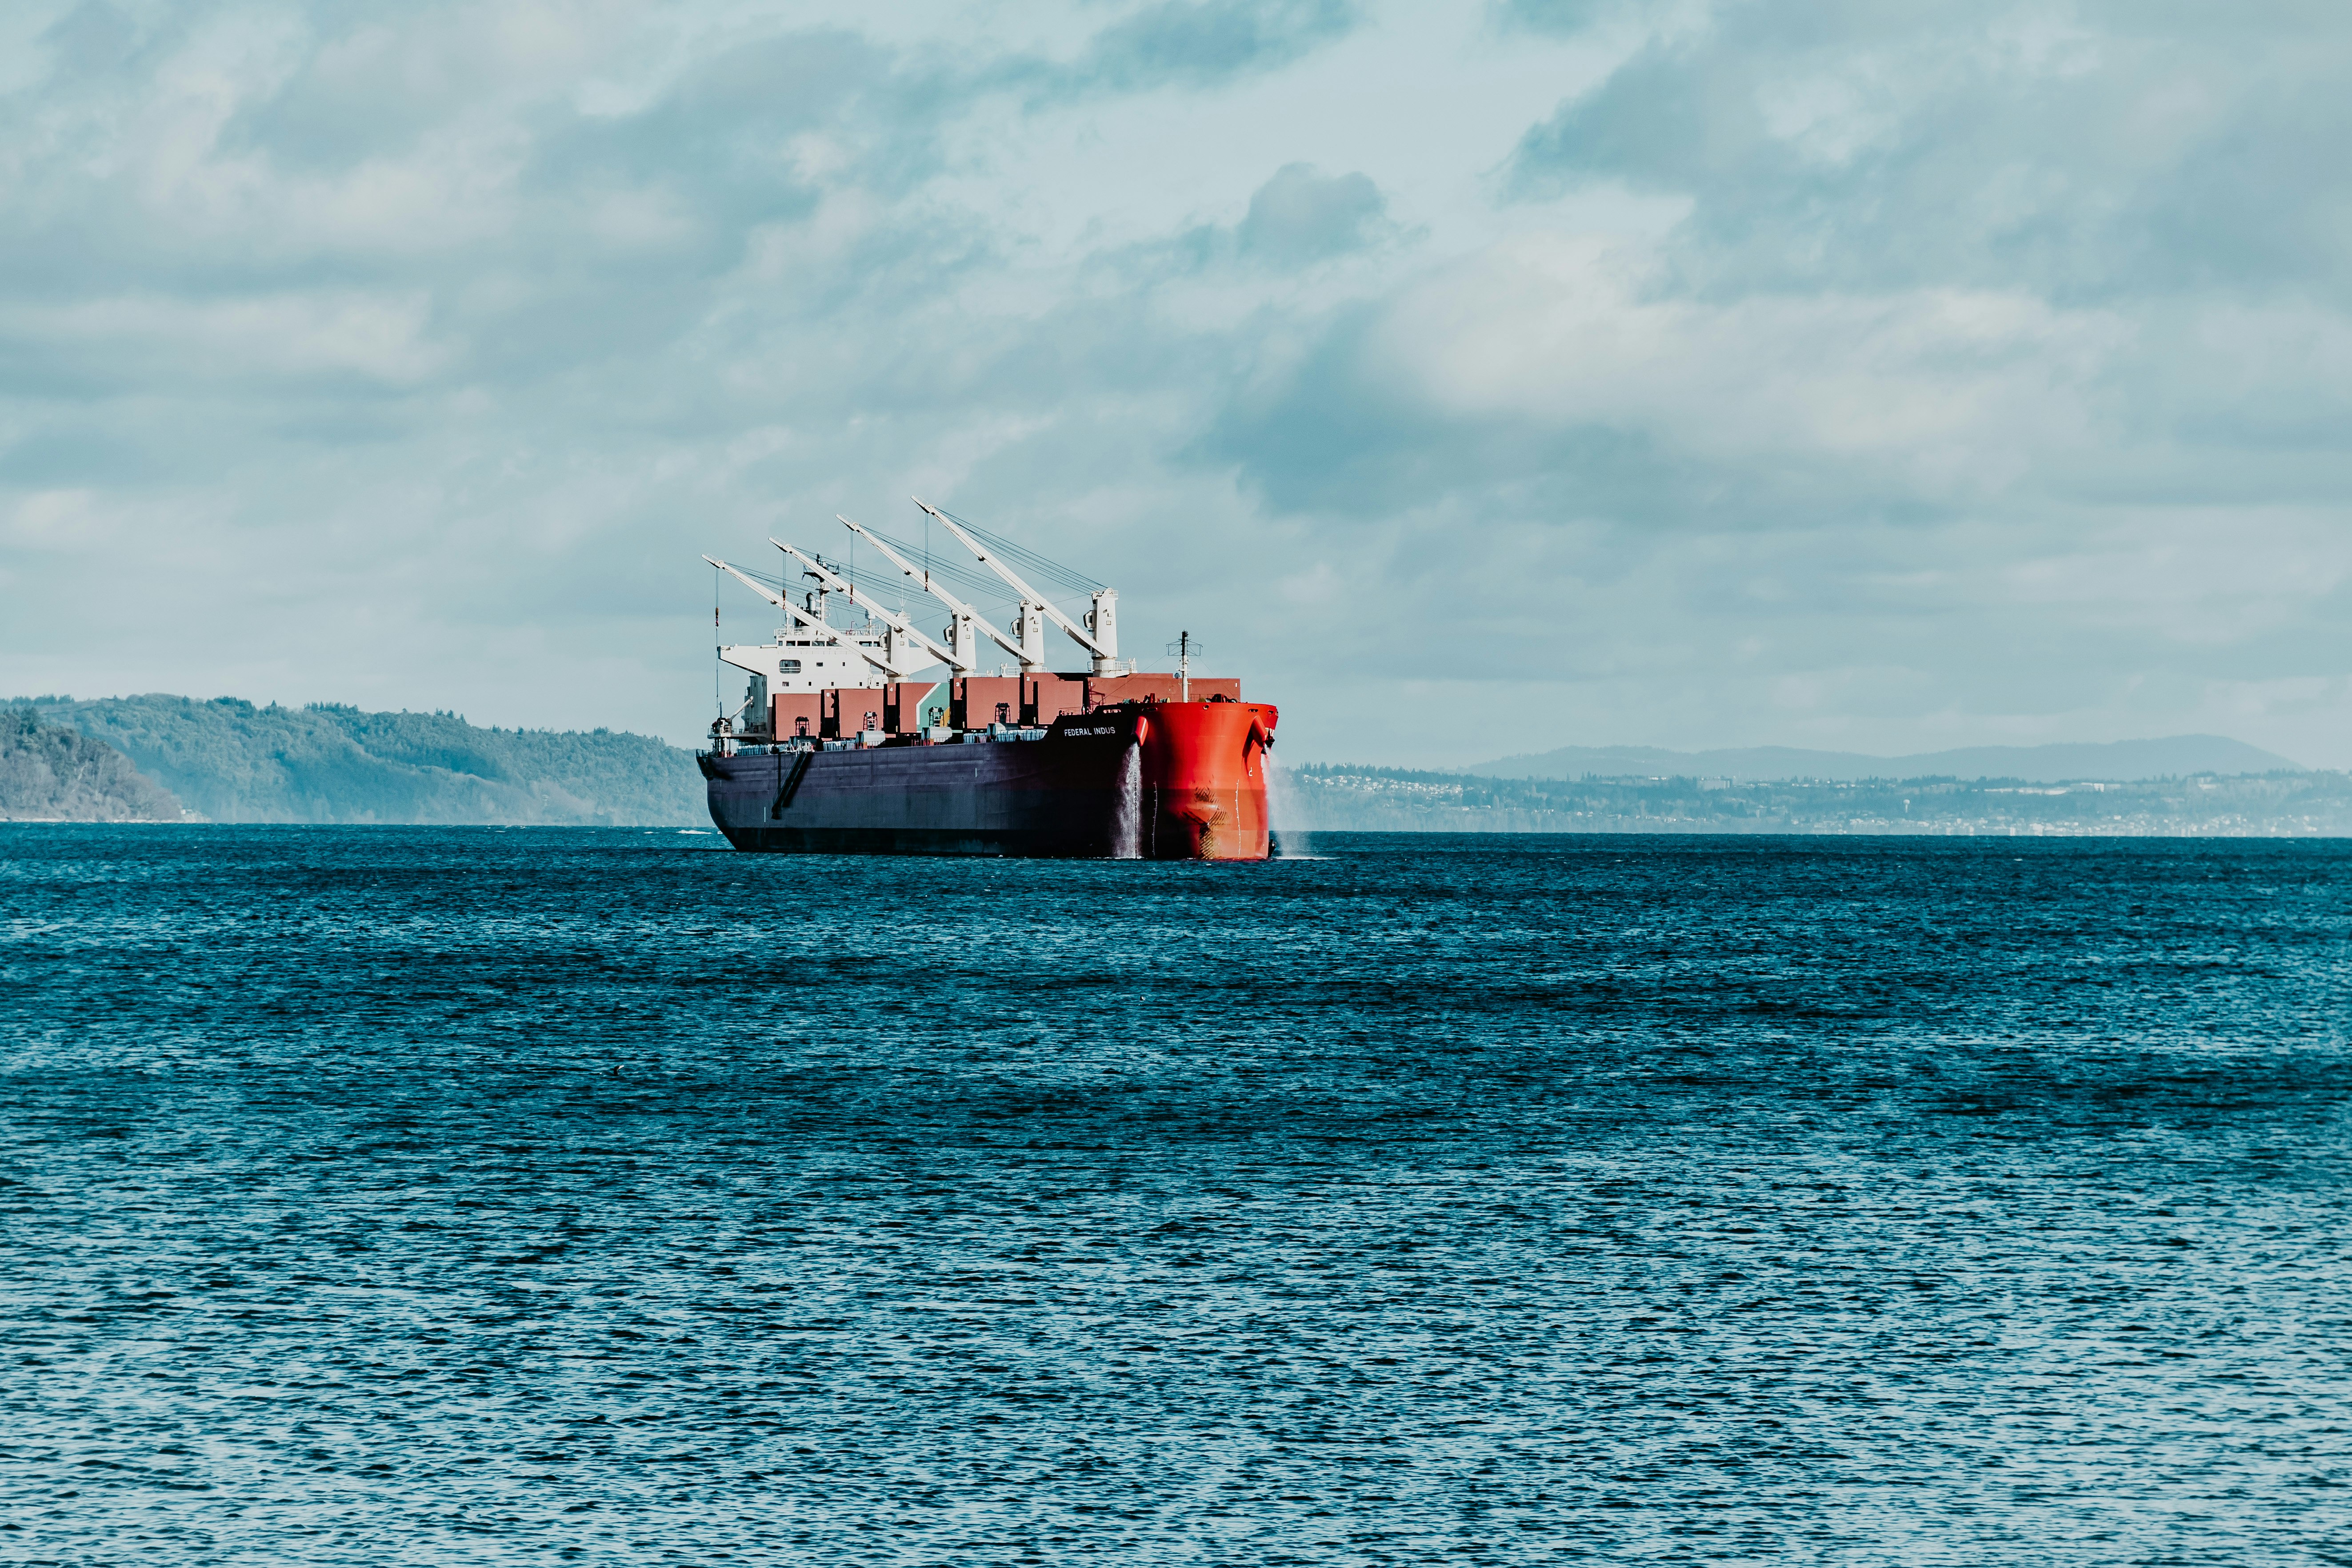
<point>773,597</point>
<point>1029,596</point>
<point>785,604</point>
<point>889,617</point>
<point>962,611</point>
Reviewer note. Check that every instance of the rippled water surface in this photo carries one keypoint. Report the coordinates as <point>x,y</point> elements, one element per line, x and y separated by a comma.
<point>435,1195</point>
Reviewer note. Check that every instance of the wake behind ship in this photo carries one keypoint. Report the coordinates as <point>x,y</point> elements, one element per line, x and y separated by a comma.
<point>846,744</point>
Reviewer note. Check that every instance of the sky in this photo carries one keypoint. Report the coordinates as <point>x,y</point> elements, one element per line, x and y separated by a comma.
<point>1469,380</point>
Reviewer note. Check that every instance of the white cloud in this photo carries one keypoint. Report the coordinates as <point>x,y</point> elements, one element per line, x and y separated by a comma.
<point>61,523</point>
<point>1958,388</point>
<point>379,338</point>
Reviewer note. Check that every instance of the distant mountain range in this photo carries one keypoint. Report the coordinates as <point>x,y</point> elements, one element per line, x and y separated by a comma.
<point>2174,756</point>
<point>229,761</point>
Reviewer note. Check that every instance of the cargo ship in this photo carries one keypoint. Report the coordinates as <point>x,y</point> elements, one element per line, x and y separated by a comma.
<point>879,738</point>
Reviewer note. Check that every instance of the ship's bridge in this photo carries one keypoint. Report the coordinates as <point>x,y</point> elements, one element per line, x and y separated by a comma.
<point>797,662</point>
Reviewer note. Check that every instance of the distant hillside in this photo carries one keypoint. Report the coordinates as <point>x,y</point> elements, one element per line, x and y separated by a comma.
<point>1318,798</point>
<point>232,762</point>
<point>50,775</point>
<point>2175,756</point>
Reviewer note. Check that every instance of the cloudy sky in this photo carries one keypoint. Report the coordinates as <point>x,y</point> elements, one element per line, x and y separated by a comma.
<point>1472,379</point>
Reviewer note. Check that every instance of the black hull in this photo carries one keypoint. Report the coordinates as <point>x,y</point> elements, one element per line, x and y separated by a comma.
<point>1011,843</point>
<point>1066,795</point>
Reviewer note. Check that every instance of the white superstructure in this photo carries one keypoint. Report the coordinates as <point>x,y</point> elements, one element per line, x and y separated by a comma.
<point>811,654</point>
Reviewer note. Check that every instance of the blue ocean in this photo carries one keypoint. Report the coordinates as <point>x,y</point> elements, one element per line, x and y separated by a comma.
<point>426,1195</point>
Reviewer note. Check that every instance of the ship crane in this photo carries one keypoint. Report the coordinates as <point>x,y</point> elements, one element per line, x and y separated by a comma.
<point>781,601</point>
<point>1098,637</point>
<point>967,620</point>
<point>898,624</point>
<point>834,635</point>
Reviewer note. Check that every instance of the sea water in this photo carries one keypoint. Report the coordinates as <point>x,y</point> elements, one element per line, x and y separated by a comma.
<point>429,1195</point>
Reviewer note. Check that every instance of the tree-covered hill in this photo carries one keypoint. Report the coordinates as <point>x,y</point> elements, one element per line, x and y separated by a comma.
<point>47,774</point>
<point>232,762</point>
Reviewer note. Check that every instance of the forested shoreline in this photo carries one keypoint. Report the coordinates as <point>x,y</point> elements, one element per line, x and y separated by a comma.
<point>227,760</point>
